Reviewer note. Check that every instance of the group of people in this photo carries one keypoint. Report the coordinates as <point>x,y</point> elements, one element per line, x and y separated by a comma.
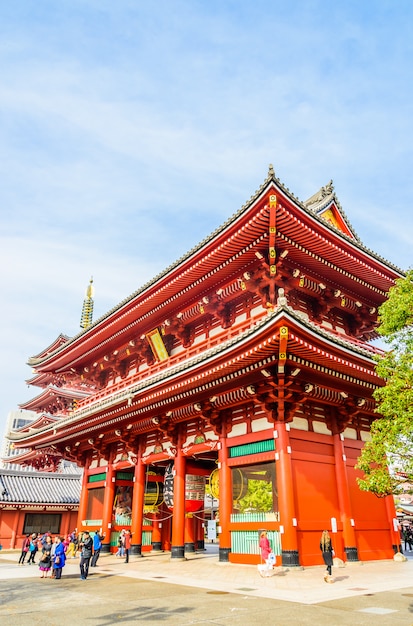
<point>53,552</point>
<point>326,548</point>
<point>124,544</point>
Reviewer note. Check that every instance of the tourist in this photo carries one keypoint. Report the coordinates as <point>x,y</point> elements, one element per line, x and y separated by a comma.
<point>25,549</point>
<point>267,555</point>
<point>32,548</point>
<point>52,554</point>
<point>128,543</point>
<point>45,562</point>
<point>327,551</point>
<point>97,545</point>
<point>86,546</point>
<point>407,537</point>
<point>121,544</point>
<point>72,546</point>
<point>59,558</point>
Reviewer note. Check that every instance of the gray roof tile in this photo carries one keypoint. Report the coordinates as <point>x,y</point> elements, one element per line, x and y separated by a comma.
<point>39,488</point>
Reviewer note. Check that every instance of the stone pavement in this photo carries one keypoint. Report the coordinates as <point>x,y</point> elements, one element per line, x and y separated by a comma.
<point>203,570</point>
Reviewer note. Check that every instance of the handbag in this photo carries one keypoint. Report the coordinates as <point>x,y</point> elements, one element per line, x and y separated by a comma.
<point>271,558</point>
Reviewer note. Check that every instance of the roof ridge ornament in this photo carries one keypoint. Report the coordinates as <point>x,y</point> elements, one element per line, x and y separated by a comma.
<point>87,310</point>
<point>328,189</point>
<point>271,173</point>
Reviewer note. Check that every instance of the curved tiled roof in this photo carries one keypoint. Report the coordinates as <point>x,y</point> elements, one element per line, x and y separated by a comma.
<point>270,180</point>
<point>353,348</point>
<point>19,487</point>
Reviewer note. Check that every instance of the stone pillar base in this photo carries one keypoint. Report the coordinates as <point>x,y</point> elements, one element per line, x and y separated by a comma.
<point>157,546</point>
<point>105,549</point>
<point>351,554</point>
<point>136,549</point>
<point>289,558</point>
<point>190,547</point>
<point>224,555</point>
<point>178,552</point>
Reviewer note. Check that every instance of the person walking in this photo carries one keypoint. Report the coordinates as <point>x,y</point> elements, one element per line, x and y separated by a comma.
<point>59,558</point>
<point>25,549</point>
<point>327,552</point>
<point>86,546</point>
<point>97,545</point>
<point>127,543</point>
<point>265,548</point>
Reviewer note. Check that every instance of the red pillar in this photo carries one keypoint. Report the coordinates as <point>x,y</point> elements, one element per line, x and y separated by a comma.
<point>349,535</point>
<point>65,529</point>
<point>82,512</point>
<point>138,502</point>
<point>15,531</point>
<point>225,500</point>
<point>166,529</point>
<point>108,505</point>
<point>178,519</point>
<point>156,533</point>
<point>189,533</point>
<point>394,525</point>
<point>200,531</point>
<point>284,477</point>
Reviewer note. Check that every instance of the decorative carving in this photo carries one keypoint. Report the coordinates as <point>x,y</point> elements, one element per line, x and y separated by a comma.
<point>184,332</point>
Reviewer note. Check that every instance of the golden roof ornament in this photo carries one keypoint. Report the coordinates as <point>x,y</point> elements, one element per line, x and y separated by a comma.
<point>87,309</point>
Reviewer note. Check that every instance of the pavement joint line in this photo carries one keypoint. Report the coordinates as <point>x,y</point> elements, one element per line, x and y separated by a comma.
<point>300,585</point>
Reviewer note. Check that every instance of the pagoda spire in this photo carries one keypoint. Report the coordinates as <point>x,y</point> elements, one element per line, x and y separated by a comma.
<point>87,309</point>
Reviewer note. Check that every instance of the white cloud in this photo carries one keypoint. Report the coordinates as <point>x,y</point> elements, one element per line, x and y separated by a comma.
<point>130,131</point>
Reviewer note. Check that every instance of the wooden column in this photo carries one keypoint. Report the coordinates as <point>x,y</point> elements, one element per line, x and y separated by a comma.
<point>64,530</point>
<point>138,503</point>
<point>156,533</point>
<point>189,533</point>
<point>343,492</point>
<point>82,512</point>
<point>392,517</point>
<point>225,499</point>
<point>108,505</point>
<point>166,529</point>
<point>200,531</point>
<point>178,519</point>
<point>14,532</point>
<point>284,477</point>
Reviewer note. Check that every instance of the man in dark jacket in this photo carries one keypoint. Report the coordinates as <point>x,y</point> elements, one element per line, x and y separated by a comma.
<point>86,546</point>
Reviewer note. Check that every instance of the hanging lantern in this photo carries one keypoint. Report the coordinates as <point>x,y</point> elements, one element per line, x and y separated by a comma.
<point>153,492</point>
<point>239,484</point>
<point>194,490</point>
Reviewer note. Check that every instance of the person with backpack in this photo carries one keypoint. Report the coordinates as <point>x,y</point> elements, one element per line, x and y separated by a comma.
<point>32,549</point>
<point>25,549</point>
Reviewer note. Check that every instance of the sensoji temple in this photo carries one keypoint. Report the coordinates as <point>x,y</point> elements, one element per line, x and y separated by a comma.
<point>245,368</point>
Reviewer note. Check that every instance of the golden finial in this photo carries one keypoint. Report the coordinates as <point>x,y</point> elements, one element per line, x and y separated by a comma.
<point>87,309</point>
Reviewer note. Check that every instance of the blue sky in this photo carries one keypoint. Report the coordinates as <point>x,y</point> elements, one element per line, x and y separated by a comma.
<point>130,130</point>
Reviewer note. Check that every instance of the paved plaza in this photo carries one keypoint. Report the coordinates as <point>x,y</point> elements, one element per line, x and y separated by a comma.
<point>199,590</point>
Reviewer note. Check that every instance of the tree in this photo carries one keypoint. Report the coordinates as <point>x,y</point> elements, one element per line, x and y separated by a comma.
<point>391,444</point>
<point>258,497</point>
